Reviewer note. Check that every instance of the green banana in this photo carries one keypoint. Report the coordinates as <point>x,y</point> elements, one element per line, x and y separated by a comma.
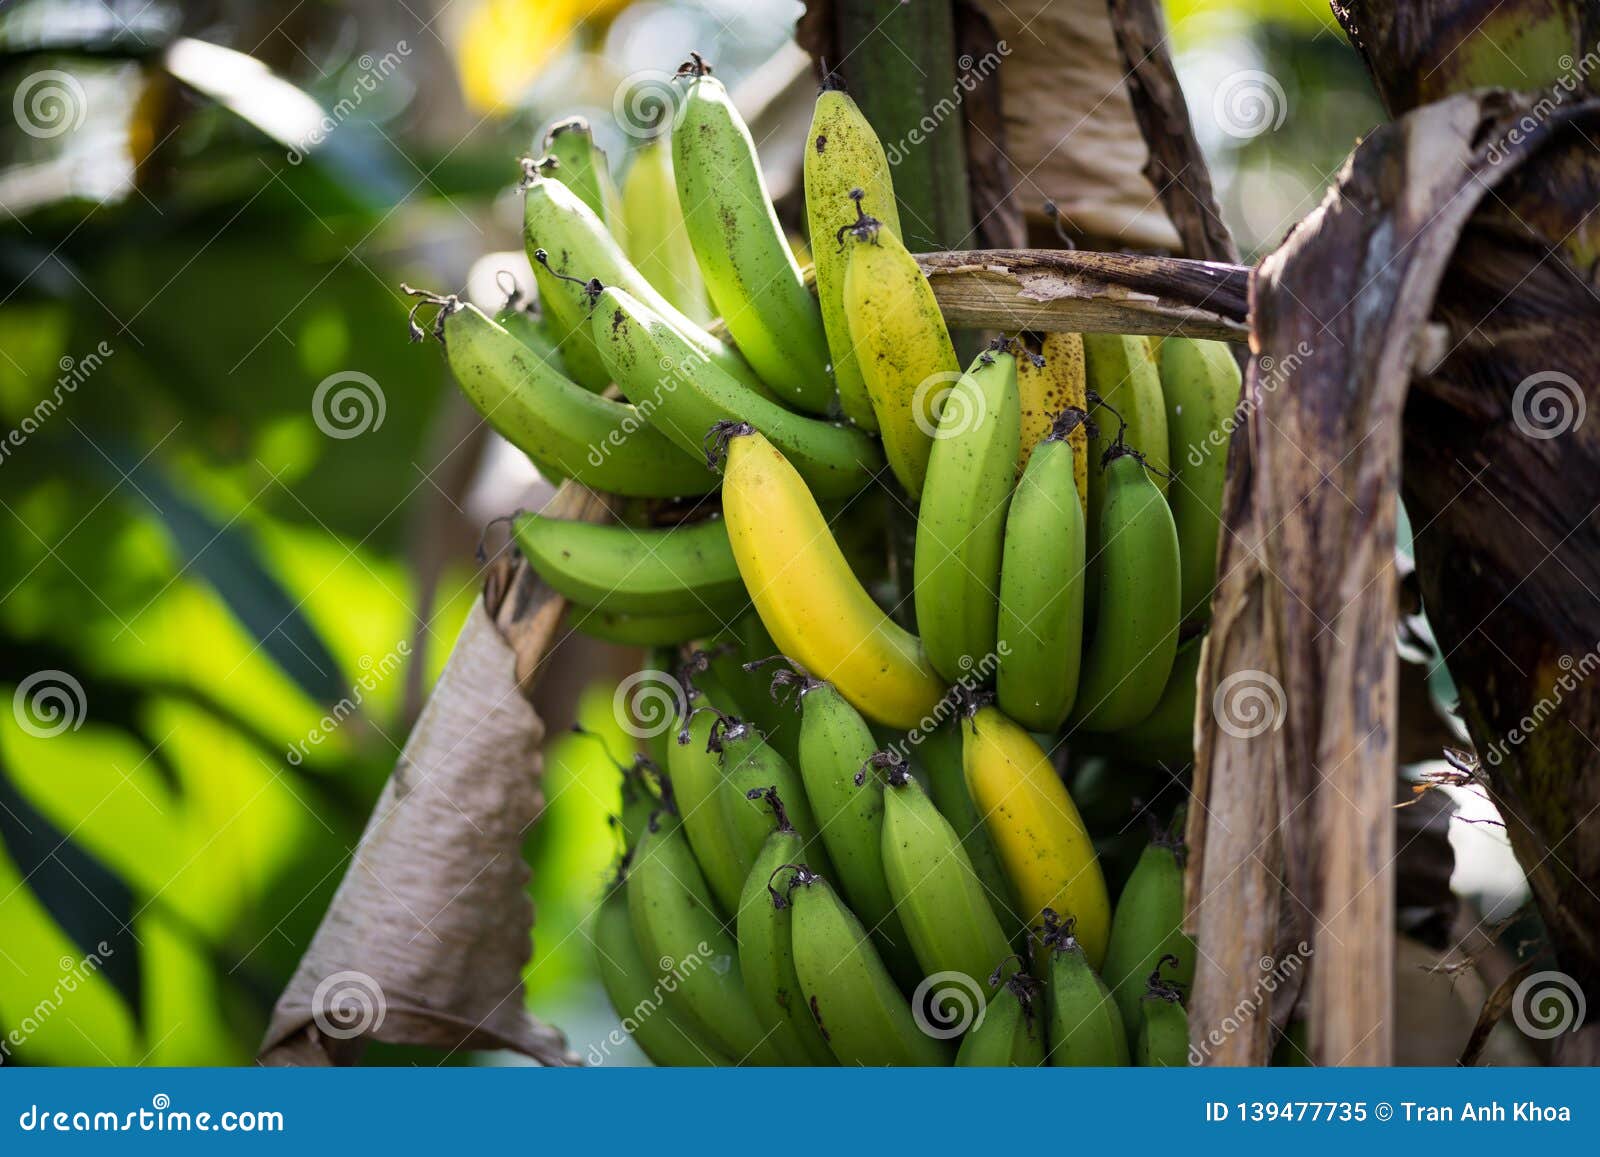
<point>637,799</point>
<point>843,154</point>
<point>658,242</point>
<point>862,1015</point>
<point>1165,737</point>
<point>527,327</point>
<point>576,247</point>
<point>961,524</point>
<point>902,345</point>
<point>1121,370</point>
<point>665,1033</point>
<point>675,922</point>
<point>1162,1037</point>
<point>684,568</point>
<point>766,946</point>
<point>739,660</point>
<point>571,155</point>
<point>1147,929</point>
<point>750,766</point>
<point>1200,382</point>
<point>1085,1027</point>
<point>1011,1033</point>
<point>685,395</point>
<point>939,758</point>
<point>561,426</point>
<point>948,916</point>
<point>752,276</point>
<point>630,630</point>
<point>1040,630</point>
<point>835,744</point>
<point>694,775</point>
<point>1135,637</point>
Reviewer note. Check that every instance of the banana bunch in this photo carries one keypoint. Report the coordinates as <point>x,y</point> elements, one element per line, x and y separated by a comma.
<point>852,841</point>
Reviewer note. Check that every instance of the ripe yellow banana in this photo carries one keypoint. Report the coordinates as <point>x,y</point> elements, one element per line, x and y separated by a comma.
<point>1042,842</point>
<point>818,612</point>
<point>1048,389</point>
<point>843,154</point>
<point>902,346</point>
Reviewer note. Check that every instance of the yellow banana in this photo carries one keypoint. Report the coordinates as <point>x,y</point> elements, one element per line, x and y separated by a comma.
<point>1042,841</point>
<point>842,154</point>
<point>1046,390</point>
<point>819,614</point>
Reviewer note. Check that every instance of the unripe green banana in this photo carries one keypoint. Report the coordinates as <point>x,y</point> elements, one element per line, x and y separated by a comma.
<point>766,947</point>
<point>1040,629</point>
<point>947,914</point>
<point>571,156</point>
<point>634,570</point>
<point>843,154</point>
<point>1121,372</point>
<point>961,524</point>
<point>685,395</point>
<point>1085,1027</point>
<point>1135,637</point>
<point>1162,1038</point>
<point>835,743</point>
<point>564,428</point>
<point>631,630</point>
<point>939,758</point>
<point>576,248</point>
<point>665,1033</point>
<point>1200,381</point>
<point>862,1015</point>
<point>1011,1033</point>
<point>658,242</point>
<point>1165,737</point>
<point>1147,929</point>
<point>750,767</point>
<point>740,661</point>
<point>674,921</point>
<point>902,345</point>
<point>527,327</point>
<point>752,276</point>
<point>694,775</point>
